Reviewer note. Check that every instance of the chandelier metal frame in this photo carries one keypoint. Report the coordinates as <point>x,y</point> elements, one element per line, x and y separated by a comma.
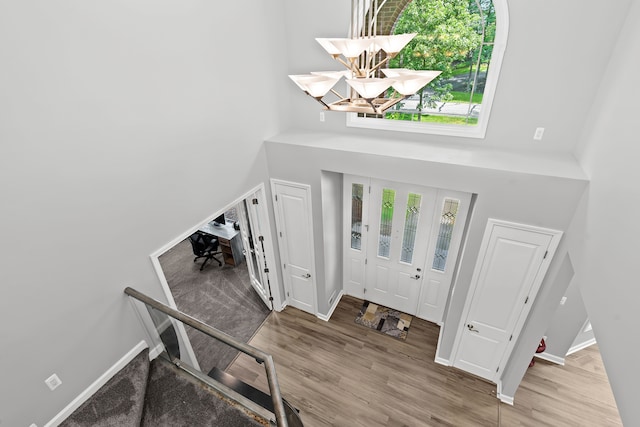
<point>364,54</point>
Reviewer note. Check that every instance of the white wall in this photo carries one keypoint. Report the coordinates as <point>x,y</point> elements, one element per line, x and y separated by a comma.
<point>121,126</point>
<point>556,53</point>
<point>609,273</point>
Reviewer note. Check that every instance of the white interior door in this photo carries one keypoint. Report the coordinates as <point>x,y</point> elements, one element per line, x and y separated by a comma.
<point>400,219</point>
<point>295,231</point>
<point>511,265</point>
<point>252,239</point>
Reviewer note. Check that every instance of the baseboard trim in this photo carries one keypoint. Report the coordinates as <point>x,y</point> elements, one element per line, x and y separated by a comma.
<point>550,358</point>
<point>509,400</point>
<point>95,386</point>
<point>581,346</point>
<point>155,351</point>
<point>442,361</point>
<point>326,317</point>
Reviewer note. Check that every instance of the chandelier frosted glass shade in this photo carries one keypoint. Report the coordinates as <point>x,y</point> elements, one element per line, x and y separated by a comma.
<point>372,88</point>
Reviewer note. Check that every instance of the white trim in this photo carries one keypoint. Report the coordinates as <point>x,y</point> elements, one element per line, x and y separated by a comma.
<point>509,400</point>
<point>438,359</point>
<point>279,226</point>
<point>327,316</point>
<point>185,344</point>
<point>95,386</point>
<point>478,131</point>
<point>581,346</point>
<point>155,351</point>
<point>550,358</point>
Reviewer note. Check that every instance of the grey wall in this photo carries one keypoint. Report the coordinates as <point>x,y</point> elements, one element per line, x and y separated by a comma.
<point>121,126</point>
<point>608,266</point>
<point>567,323</point>
<point>529,198</point>
<point>556,53</point>
<point>332,212</point>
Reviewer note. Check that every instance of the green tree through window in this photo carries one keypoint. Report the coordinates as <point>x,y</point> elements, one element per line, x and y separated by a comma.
<point>455,37</point>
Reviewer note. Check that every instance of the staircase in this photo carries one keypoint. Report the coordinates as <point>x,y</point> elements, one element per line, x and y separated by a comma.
<point>169,392</point>
<point>158,393</point>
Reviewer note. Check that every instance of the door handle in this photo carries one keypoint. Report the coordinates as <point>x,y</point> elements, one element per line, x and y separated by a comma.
<point>471,328</point>
<point>416,277</point>
<point>306,276</point>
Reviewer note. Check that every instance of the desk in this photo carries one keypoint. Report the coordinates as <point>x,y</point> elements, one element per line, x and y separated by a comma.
<point>229,239</point>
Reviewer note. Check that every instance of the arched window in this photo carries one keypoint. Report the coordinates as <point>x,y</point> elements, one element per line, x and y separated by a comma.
<point>465,39</point>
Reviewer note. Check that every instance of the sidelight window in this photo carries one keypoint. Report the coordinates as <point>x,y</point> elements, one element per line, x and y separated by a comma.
<point>447,222</point>
<point>410,227</point>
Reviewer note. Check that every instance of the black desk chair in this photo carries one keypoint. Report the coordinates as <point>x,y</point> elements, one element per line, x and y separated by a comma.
<point>204,246</point>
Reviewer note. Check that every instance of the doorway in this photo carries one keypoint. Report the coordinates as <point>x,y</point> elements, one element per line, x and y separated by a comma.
<point>401,243</point>
<point>234,295</point>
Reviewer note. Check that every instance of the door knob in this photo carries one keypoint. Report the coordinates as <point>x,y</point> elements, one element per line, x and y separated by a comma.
<point>416,277</point>
<point>306,276</point>
<point>471,328</point>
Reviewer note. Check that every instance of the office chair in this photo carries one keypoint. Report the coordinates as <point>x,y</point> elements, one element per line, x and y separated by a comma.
<point>204,246</point>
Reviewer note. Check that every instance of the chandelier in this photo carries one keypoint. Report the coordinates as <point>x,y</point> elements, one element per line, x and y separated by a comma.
<point>365,54</point>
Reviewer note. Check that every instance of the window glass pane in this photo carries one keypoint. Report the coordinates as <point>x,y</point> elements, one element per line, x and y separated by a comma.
<point>447,222</point>
<point>386,219</point>
<point>356,216</point>
<point>455,98</point>
<point>410,227</point>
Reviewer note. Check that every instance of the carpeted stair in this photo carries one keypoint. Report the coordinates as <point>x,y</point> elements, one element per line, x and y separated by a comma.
<point>158,394</point>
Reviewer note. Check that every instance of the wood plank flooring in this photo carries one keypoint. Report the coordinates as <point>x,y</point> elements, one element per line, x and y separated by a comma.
<point>339,373</point>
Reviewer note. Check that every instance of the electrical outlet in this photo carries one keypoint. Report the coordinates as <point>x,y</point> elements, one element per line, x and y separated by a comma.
<point>53,382</point>
<point>538,134</point>
<point>322,116</point>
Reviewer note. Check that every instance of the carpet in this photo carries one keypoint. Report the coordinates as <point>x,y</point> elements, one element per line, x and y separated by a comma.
<point>383,319</point>
<point>221,297</point>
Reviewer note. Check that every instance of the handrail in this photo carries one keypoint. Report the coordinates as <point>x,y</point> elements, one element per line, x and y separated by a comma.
<point>259,355</point>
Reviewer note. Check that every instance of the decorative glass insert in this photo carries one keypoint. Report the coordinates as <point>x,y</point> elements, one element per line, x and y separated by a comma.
<point>386,220</point>
<point>356,216</point>
<point>447,222</point>
<point>410,227</point>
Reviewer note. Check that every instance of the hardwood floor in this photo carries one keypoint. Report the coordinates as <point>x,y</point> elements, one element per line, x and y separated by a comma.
<point>339,373</point>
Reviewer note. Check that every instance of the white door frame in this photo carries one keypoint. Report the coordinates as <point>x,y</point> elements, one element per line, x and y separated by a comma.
<point>283,255</point>
<point>556,235</point>
<point>270,255</point>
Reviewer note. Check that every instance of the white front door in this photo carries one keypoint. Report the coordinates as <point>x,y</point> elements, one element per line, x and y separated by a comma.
<point>511,265</point>
<point>400,221</point>
<point>401,242</point>
<point>295,231</point>
<point>253,243</point>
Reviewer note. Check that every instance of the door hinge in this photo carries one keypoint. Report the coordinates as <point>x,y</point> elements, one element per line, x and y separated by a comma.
<point>276,197</point>
<point>287,293</point>
<point>498,368</point>
<point>365,261</point>
<point>369,189</point>
<point>367,226</point>
<point>511,337</point>
<point>527,300</point>
<point>545,254</point>
<point>261,238</point>
<point>284,266</point>
<point>266,270</point>
<point>254,201</point>
<point>280,233</point>
<point>365,291</point>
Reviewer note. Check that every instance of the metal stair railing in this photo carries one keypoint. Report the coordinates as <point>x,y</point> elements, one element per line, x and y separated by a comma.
<point>260,356</point>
